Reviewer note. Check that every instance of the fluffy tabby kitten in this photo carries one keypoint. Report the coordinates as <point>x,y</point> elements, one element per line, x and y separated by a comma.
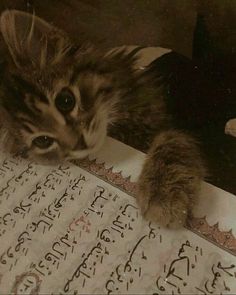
<point>59,101</point>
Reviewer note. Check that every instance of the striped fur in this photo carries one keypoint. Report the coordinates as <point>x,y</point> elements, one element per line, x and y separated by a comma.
<point>108,95</point>
<point>37,70</point>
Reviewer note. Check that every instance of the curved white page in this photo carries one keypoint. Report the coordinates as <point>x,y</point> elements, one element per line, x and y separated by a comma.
<point>72,230</point>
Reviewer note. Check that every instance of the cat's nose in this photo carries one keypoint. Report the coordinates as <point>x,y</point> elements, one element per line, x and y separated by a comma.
<point>81,144</point>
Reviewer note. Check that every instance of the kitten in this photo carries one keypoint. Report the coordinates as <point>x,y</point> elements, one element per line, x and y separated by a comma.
<point>59,101</point>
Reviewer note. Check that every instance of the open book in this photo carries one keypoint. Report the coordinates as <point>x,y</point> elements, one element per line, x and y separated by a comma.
<point>76,229</point>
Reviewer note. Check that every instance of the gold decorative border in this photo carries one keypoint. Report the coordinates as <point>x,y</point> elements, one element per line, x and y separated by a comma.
<point>107,174</point>
<point>223,239</point>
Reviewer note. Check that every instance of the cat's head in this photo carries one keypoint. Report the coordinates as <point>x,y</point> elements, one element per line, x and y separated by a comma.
<point>56,100</point>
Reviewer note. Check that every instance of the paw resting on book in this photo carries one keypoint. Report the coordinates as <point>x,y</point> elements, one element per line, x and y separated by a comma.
<point>169,183</point>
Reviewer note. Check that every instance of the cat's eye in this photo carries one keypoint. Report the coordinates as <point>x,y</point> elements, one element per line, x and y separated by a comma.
<point>65,101</point>
<point>43,142</point>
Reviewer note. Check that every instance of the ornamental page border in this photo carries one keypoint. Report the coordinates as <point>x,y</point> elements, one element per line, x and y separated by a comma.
<point>212,233</point>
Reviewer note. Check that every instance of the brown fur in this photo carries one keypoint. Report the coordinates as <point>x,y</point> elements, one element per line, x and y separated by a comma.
<point>170,179</point>
<point>110,97</point>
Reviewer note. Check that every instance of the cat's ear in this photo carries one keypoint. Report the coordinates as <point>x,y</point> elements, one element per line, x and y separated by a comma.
<point>31,40</point>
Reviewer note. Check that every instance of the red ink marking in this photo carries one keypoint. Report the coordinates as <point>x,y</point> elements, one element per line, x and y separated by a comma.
<point>33,284</point>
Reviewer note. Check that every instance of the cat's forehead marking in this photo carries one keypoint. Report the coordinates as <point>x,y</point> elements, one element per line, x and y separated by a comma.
<point>50,115</point>
<point>57,86</point>
<point>93,80</point>
<point>75,112</point>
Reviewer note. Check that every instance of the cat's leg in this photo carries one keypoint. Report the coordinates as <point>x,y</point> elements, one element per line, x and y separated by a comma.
<point>170,180</point>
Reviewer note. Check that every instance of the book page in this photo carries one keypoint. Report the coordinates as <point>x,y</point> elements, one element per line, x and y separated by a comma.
<point>76,229</point>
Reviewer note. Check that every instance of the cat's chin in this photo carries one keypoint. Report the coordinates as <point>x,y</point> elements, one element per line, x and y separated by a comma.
<point>81,154</point>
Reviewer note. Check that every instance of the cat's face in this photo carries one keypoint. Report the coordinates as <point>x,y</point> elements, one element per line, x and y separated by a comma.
<point>61,119</point>
<point>58,103</point>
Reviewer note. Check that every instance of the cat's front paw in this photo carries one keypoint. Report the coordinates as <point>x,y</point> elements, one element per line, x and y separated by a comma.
<point>171,212</point>
<point>169,183</point>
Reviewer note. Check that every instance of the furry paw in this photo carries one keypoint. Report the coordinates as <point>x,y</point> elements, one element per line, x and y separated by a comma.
<point>171,213</point>
<point>169,183</point>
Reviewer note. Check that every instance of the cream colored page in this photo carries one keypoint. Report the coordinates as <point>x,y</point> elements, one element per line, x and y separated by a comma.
<point>73,230</point>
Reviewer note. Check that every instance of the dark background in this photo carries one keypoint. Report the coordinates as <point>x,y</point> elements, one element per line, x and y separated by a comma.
<point>204,31</point>
<point>167,23</point>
